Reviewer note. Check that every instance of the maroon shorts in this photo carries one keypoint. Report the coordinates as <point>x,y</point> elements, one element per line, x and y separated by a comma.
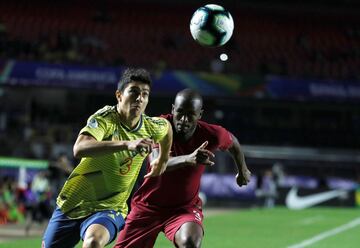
<point>142,226</point>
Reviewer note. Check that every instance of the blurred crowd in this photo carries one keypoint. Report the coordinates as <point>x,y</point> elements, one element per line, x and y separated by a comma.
<point>34,201</point>
<point>290,41</point>
<point>59,47</point>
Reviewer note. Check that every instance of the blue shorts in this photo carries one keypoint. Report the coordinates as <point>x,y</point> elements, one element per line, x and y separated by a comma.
<point>65,232</point>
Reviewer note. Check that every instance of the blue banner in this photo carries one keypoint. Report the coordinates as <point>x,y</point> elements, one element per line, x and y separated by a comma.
<point>300,89</point>
<point>92,77</point>
<point>224,186</point>
<point>171,81</point>
<point>43,74</point>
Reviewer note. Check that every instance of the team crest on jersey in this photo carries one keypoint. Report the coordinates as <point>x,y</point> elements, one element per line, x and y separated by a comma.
<point>92,123</point>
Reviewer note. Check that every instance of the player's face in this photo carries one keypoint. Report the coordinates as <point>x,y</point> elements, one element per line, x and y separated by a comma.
<point>186,115</point>
<point>134,98</point>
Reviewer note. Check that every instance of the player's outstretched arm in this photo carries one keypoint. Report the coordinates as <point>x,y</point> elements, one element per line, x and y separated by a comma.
<point>158,165</point>
<point>87,146</point>
<point>243,175</point>
<point>200,156</point>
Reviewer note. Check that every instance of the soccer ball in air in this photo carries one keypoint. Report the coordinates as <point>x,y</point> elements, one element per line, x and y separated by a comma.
<point>211,25</point>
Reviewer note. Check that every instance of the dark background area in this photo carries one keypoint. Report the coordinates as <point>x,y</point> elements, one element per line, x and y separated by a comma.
<point>309,40</point>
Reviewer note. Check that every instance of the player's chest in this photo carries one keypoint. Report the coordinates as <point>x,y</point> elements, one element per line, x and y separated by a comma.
<point>117,133</point>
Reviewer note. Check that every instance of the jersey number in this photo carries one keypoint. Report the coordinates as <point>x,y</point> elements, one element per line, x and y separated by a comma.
<point>125,166</point>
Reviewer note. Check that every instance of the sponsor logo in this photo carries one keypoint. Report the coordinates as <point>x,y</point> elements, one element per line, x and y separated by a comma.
<point>112,216</point>
<point>197,215</point>
<point>294,201</point>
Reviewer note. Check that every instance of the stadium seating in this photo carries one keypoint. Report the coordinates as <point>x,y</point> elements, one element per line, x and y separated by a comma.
<point>304,43</point>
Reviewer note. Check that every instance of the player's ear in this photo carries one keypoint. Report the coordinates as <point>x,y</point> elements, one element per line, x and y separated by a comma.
<point>172,109</point>
<point>118,95</point>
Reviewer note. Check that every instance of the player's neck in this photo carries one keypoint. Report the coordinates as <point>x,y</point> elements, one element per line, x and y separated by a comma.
<point>131,123</point>
<point>127,119</point>
<point>187,136</point>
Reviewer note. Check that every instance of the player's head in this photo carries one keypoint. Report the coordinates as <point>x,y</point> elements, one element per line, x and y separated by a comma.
<point>187,110</point>
<point>133,91</point>
<point>134,74</point>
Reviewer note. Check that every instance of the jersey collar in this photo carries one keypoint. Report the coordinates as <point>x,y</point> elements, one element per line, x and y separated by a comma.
<point>136,128</point>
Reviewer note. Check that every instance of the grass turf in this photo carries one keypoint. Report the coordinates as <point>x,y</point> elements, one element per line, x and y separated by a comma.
<point>257,228</point>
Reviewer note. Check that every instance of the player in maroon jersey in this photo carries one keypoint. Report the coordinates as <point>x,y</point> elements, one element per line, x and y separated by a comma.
<point>170,203</point>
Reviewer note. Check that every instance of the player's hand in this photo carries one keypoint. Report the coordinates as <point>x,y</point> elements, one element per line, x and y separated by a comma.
<point>157,168</point>
<point>142,146</point>
<point>201,156</point>
<point>243,177</point>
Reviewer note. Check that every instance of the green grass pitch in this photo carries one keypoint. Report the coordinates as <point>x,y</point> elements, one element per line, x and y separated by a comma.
<point>270,228</point>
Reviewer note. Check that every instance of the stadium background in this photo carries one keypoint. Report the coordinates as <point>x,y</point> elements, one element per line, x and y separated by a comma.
<point>290,90</point>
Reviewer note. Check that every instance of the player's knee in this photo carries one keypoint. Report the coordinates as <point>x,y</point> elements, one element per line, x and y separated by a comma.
<point>92,242</point>
<point>190,242</point>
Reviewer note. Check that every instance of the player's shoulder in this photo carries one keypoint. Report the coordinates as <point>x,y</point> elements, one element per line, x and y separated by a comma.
<point>151,120</point>
<point>210,127</point>
<point>167,116</point>
<point>215,134</point>
<point>210,130</point>
<point>106,111</point>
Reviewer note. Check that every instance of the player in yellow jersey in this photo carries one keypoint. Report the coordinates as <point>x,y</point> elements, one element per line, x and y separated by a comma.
<point>112,146</point>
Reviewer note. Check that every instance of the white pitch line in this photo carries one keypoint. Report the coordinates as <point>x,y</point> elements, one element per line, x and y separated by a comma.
<point>327,234</point>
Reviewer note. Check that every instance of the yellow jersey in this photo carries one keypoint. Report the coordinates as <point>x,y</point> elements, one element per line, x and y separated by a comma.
<point>105,182</point>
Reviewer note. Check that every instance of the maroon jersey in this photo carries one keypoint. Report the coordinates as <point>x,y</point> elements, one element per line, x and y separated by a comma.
<point>180,187</point>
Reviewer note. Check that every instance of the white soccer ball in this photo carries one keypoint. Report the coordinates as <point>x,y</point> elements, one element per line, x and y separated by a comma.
<point>211,25</point>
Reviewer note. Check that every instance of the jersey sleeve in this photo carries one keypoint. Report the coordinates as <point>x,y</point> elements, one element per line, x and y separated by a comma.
<point>160,127</point>
<point>224,138</point>
<point>96,127</point>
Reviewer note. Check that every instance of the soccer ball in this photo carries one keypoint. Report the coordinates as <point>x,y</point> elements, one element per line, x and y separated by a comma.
<point>211,25</point>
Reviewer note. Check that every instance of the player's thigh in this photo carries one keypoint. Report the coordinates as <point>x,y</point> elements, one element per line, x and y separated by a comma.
<point>61,231</point>
<point>102,226</point>
<point>185,223</point>
<point>141,230</point>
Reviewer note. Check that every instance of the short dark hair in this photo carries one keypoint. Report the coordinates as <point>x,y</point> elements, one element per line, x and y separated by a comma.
<point>134,74</point>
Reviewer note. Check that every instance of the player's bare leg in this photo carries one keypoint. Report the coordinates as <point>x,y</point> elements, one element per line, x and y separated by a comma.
<point>189,235</point>
<point>96,236</point>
